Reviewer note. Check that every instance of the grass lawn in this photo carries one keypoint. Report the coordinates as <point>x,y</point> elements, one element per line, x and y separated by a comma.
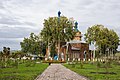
<point>90,70</point>
<point>22,72</point>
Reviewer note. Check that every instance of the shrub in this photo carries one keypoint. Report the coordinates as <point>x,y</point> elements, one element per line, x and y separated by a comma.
<point>81,64</point>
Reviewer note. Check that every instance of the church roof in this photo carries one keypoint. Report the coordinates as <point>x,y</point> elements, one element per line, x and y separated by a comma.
<point>74,48</point>
<point>76,41</point>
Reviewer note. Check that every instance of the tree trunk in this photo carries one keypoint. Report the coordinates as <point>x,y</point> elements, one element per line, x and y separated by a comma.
<point>112,54</point>
<point>48,49</point>
<point>59,50</point>
<point>94,52</point>
<point>67,52</point>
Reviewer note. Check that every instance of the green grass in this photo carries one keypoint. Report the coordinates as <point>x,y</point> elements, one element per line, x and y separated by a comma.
<point>88,68</point>
<point>22,72</point>
<point>117,54</point>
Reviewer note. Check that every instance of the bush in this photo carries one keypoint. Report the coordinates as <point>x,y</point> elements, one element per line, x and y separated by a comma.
<point>15,64</point>
<point>81,64</point>
<point>73,64</point>
<point>30,63</point>
<point>98,64</point>
<point>2,64</point>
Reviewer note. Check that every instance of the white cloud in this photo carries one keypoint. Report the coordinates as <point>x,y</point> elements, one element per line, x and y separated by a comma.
<point>28,15</point>
<point>13,43</point>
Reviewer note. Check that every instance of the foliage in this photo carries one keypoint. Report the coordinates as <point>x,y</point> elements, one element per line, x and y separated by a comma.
<point>81,64</point>
<point>30,63</point>
<point>57,30</point>
<point>104,39</point>
<point>6,51</point>
<point>98,64</point>
<point>17,54</point>
<point>53,51</point>
<point>4,57</point>
<point>53,29</point>
<point>33,44</point>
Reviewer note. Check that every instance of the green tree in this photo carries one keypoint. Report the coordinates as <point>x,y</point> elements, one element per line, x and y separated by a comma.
<point>93,35</point>
<point>5,56</point>
<point>105,40</point>
<point>55,32</point>
<point>18,54</point>
<point>114,42</point>
<point>33,44</point>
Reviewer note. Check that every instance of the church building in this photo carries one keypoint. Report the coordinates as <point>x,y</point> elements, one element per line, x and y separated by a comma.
<point>75,49</point>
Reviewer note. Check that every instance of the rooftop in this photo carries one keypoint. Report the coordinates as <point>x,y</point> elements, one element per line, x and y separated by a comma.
<point>76,41</point>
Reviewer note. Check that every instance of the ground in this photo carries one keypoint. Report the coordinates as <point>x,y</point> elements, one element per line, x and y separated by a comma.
<point>59,72</point>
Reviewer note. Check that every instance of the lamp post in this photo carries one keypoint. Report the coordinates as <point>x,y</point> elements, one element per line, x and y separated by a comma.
<point>58,34</point>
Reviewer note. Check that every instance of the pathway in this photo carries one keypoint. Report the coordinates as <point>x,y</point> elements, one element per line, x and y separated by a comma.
<point>59,72</point>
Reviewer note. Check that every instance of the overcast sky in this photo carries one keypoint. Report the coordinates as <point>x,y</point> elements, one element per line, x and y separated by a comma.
<point>18,18</point>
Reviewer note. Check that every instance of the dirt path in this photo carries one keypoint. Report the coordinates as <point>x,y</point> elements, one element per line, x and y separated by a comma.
<point>59,72</point>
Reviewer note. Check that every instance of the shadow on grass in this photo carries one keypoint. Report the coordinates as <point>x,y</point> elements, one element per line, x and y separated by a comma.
<point>104,73</point>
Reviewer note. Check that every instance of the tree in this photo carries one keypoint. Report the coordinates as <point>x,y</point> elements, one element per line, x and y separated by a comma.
<point>55,32</point>
<point>114,41</point>
<point>5,55</point>
<point>93,34</point>
<point>17,54</point>
<point>104,39</point>
<point>33,44</point>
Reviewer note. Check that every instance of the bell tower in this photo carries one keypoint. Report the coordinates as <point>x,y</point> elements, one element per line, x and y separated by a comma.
<point>78,33</point>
